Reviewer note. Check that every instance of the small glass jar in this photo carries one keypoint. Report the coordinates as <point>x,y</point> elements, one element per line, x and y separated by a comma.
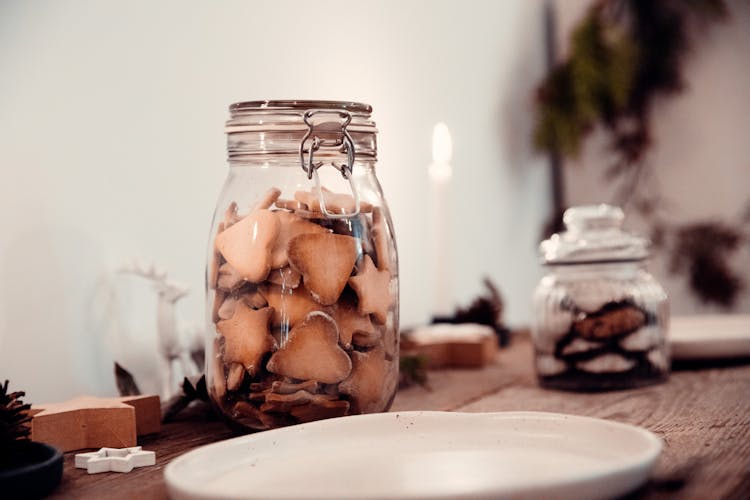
<point>599,318</point>
<point>302,272</point>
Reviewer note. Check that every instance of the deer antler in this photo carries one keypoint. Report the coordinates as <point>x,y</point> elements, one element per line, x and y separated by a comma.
<point>166,288</point>
<point>139,269</point>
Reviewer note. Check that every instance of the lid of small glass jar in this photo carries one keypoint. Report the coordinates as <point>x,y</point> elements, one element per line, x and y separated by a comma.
<point>278,126</point>
<point>593,234</point>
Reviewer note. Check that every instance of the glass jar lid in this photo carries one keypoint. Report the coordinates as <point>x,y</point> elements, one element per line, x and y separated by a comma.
<point>593,234</point>
<point>279,126</point>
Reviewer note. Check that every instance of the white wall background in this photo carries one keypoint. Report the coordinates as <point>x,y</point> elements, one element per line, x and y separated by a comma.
<point>701,152</point>
<point>112,146</point>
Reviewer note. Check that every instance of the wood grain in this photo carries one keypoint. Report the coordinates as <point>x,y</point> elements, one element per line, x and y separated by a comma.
<point>703,416</point>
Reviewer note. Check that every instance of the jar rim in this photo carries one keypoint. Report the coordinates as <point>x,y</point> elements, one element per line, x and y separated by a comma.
<point>281,104</point>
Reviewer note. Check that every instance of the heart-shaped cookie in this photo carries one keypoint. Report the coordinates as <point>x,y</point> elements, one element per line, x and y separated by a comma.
<point>246,336</point>
<point>290,225</point>
<point>247,245</point>
<point>312,352</point>
<point>325,262</point>
<point>289,306</point>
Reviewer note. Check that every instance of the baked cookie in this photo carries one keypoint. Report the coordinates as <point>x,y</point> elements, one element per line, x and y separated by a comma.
<point>246,336</point>
<point>312,352</point>
<point>325,262</point>
<point>373,290</point>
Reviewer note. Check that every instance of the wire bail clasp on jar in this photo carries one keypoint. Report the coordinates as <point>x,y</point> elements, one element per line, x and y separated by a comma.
<point>344,145</point>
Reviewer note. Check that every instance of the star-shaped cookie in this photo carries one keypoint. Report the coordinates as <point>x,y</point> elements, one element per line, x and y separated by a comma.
<point>352,324</point>
<point>246,336</point>
<point>373,290</point>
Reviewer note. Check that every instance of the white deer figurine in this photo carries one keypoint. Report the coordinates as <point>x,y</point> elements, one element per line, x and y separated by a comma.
<point>171,348</point>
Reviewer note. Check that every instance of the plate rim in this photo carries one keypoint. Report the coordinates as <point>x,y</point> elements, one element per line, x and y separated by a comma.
<point>643,461</point>
<point>703,348</point>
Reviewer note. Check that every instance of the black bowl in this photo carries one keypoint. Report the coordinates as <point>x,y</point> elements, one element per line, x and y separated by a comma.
<point>36,472</point>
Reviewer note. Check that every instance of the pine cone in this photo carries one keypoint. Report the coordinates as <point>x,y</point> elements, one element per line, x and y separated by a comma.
<point>14,417</point>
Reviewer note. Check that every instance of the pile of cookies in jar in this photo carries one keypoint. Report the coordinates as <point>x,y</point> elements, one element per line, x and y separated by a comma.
<point>305,310</point>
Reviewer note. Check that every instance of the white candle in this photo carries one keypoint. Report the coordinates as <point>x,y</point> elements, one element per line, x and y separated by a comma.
<point>440,175</point>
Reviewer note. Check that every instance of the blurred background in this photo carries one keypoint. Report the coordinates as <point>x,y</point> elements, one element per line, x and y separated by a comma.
<point>112,148</point>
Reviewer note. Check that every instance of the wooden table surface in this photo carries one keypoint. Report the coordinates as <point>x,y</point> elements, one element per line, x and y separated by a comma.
<point>702,413</point>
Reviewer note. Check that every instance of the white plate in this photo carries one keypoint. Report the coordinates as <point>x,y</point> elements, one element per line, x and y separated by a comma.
<point>710,337</point>
<point>412,455</point>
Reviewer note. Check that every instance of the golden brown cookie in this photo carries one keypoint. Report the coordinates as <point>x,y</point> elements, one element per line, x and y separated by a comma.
<point>373,290</point>
<point>219,382</point>
<point>289,306</point>
<point>248,415</point>
<point>284,402</point>
<point>235,376</point>
<point>368,339</point>
<point>381,236</point>
<point>338,203</point>
<point>247,245</point>
<point>312,352</point>
<point>286,277</point>
<point>325,262</point>
<point>290,226</point>
<point>320,410</point>
<point>219,297</point>
<point>283,387</point>
<point>229,278</point>
<point>292,205</point>
<point>216,261</point>
<point>352,324</point>
<point>226,309</point>
<point>612,320</point>
<point>254,299</point>
<point>268,199</point>
<point>390,341</point>
<point>231,217</point>
<point>365,384</point>
<point>246,336</point>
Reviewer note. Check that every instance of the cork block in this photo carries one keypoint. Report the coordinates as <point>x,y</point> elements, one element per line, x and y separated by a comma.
<point>147,413</point>
<point>452,346</point>
<point>91,422</point>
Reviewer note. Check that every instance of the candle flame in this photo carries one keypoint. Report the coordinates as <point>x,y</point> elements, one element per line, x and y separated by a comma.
<point>442,146</point>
